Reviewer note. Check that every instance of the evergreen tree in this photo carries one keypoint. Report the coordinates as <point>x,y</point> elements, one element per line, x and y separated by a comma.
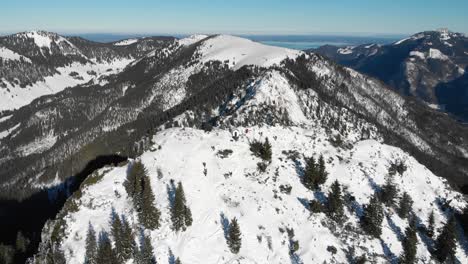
<point>321,173</point>
<point>266,153</point>
<point>431,225</point>
<point>410,244</point>
<point>372,218</point>
<point>149,215</point>
<point>91,246</point>
<point>335,202</point>
<point>389,192</point>
<point>446,243</point>
<point>22,242</point>
<point>127,240</point>
<point>234,239</point>
<point>405,206</point>
<point>181,215</point>
<point>146,252</point>
<point>6,254</point>
<point>178,261</point>
<point>133,183</point>
<point>105,253</point>
<point>310,173</point>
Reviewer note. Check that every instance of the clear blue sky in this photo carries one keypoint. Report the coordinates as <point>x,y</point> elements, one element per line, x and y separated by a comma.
<point>234,16</point>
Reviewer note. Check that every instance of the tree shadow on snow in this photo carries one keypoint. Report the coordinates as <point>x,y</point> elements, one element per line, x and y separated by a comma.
<point>396,229</point>
<point>171,258</point>
<point>225,224</point>
<point>388,252</point>
<point>300,170</point>
<point>171,188</point>
<point>304,202</point>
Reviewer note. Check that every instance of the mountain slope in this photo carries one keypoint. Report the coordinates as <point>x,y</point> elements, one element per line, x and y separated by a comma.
<point>38,63</point>
<point>60,134</point>
<point>414,66</point>
<point>234,187</point>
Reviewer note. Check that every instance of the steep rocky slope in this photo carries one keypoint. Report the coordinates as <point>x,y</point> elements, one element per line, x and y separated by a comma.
<point>426,65</point>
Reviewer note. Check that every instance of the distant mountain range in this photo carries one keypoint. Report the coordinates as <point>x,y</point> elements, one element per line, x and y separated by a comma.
<point>431,66</point>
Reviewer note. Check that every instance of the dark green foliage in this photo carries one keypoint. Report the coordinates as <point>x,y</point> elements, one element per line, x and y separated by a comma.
<point>123,237</point>
<point>322,173</point>
<point>138,186</point>
<point>127,241</point>
<point>262,166</point>
<point>6,254</point>
<point>181,215</point>
<point>234,238</point>
<point>371,221</point>
<point>22,242</point>
<point>148,215</point>
<point>316,207</point>
<point>446,243</point>
<point>105,252</point>
<point>397,167</point>
<point>315,174</point>
<point>430,225</point>
<point>389,192</point>
<point>335,202</point>
<point>91,246</point>
<point>146,253</point>
<point>178,261</point>
<point>133,183</point>
<point>261,150</point>
<point>310,173</point>
<point>410,244</point>
<point>405,206</point>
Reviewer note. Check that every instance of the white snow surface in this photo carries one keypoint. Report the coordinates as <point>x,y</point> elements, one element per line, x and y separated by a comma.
<point>234,188</point>
<point>15,97</point>
<point>7,54</point>
<point>126,42</point>
<point>418,54</point>
<point>437,54</point>
<point>240,52</point>
<point>191,39</point>
<point>345,51</point>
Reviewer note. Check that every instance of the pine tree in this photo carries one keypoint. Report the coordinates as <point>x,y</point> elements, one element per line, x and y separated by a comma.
<point>431,225</point>
<point>22,242</point>
<point>91,246</point>
<point>117,234</point>
<point>105,253</point>
<point>178,261</point>
<point>405,206</point>
<point>410,244</point>
<point>146,252</point>
<point>181,215</point>
<point>6,254</point>
<point>310,173</point>
<point>149,215</point>
<point>234,240</point>
<point>133,183</point>
<point>372,218</point>
<point>389,192</point>
<point>266,153</point>
<point>446,243</point>
<point>322,173</point>
<point>335,202</point>
<point>127,240</point>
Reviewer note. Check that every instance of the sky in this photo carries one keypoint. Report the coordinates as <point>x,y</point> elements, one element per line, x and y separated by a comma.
<point>283,17</point>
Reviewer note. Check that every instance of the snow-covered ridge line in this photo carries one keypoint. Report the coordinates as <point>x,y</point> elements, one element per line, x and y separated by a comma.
<point>233,187</point>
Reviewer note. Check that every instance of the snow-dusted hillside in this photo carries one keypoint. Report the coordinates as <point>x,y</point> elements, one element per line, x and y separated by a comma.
<point>38,63</point>
<point>233,187</point>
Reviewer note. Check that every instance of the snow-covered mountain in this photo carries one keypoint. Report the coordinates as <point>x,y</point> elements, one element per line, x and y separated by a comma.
<point>222,180</point>
<point>429,65</point>
<point>179,108</point>
<point>38,63</point>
